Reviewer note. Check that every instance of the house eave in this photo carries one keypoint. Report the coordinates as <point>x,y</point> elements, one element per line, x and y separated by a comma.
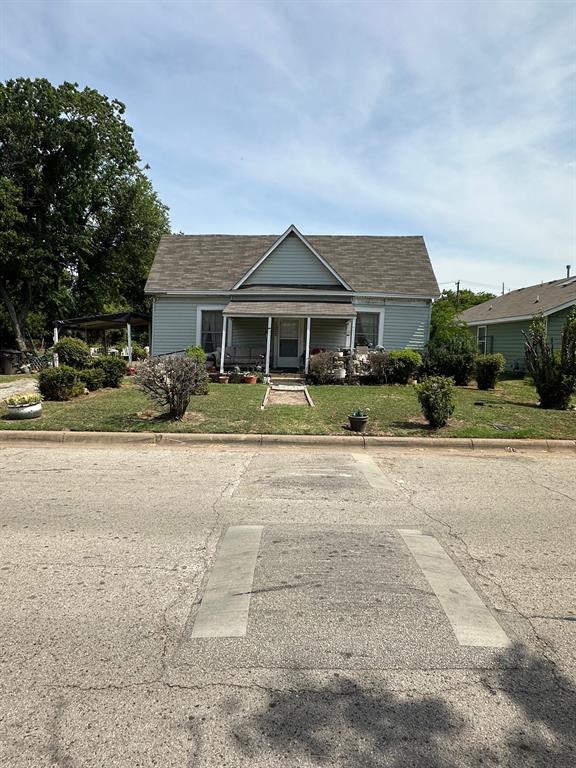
<point>520,318</point>
<point>353,294</point>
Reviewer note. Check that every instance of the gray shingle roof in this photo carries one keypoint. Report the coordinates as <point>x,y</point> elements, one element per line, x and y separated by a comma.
<point>395,265</point>
<point>289,309</point>
<point>525,302</point>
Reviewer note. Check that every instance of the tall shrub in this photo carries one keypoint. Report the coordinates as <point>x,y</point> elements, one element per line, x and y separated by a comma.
<point>553,373</point>
<point>73,352</point>
<point>454,356</point>
<point>436,398</point>
<point>403,365</point>
<point>60,383</point>
<point>114,369</point>
<point>379,364</point>
<point>172,381</point>
<point>488,367</point>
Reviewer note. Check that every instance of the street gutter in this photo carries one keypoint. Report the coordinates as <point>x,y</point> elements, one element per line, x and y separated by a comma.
<point>187,439</point>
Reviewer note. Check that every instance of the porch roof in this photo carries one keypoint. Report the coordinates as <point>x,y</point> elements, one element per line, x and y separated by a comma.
<point>336,310</point>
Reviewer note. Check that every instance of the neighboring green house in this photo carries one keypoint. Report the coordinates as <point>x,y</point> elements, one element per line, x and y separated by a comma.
<point>274,300</point>
<point>499,323</point>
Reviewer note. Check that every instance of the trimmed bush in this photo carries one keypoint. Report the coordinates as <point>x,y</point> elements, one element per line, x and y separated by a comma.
<point>196,353</point>
<point>114,369</point>
<point>488,367</point>
<point>59,383</point>
<point>403,364</point>
<point>553,373</point>
<point>321,368</point>
<point>138,352</point>
<point>92,378</point>
<point>454,356</point>
<point>73,352</point>
<point>436,398</point>
<point>172,381</point>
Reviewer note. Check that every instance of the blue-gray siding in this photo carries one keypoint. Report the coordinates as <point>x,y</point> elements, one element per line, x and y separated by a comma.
<point>406,325</point>
<point>174,322</point>
<point>328,334</point>
<point>249,331</point>
<point>292,263</point>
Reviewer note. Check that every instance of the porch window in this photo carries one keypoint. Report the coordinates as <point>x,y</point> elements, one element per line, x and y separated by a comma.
<point>211,334</point>
<point>366,329</point>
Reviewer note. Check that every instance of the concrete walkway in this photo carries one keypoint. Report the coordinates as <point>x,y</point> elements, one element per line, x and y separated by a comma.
<point>17,388</point>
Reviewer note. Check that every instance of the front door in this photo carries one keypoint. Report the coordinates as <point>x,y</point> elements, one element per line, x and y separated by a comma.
<point>287,343</point>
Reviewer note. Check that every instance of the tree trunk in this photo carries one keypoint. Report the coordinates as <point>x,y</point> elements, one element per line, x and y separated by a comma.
<point>18,319</point>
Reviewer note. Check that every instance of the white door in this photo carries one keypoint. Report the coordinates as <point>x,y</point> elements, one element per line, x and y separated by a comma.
<point>287,343</point>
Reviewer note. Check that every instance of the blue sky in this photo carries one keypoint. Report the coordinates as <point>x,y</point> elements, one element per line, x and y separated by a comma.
<point>454,120</point>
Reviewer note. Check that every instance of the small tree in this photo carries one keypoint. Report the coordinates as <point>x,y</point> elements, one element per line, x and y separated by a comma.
<point>172,381</point>
<point>73,352</point>
<point>553,373</point>
<point>453,356</point>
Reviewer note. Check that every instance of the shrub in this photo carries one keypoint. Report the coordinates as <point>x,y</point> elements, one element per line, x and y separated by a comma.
<point>73,352</point>
<point>487,369</point>
<point>321,368</point>
<point>114,369</point>
<point>436,398</point>
<point>553,373</point>
<point>453,356</point>
<point>379,367</point>
<point>92,378</point>
<point>196,353</point>
<point>172,381</point>
<point>403,364</point>
<point>59,383</point>
<point>138,352</point>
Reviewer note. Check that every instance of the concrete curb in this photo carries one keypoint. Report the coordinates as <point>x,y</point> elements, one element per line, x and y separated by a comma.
<point>170,439</point>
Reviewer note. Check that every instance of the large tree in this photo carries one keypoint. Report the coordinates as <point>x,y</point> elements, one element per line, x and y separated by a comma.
<point>444,323</point>
<point>79,220</point>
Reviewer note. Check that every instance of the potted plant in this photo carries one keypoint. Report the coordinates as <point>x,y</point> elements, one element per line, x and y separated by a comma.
<point>250,378</point>
<point>223,378</point>
<point>358,420</point>
<point>26,406</point>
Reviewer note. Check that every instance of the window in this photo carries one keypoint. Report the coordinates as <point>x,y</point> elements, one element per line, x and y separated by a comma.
<point>211,335</point>
<point>481,338</point>
<point>367,329</point>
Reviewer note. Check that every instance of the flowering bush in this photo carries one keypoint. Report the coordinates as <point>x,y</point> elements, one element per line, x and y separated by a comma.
<point>172,381</point>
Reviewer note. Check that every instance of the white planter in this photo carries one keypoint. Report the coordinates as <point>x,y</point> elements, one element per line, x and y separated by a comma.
<point>17,412</point>
<point>339,374</point>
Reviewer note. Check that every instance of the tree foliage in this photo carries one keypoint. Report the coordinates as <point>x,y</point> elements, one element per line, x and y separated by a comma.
<point>79,220</point>
<point>443,321</point>
<point>172,381</point>
<point>553,373</point>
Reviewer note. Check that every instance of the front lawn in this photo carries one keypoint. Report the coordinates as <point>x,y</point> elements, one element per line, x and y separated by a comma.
<point>510,411</point>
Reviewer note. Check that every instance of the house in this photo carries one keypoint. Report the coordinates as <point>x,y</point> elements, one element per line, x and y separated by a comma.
<point>499,323</point>
<point>273,300</point>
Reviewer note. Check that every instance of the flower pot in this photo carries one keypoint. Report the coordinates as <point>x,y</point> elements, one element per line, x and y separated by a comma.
<point>25,411</point>
<point>223,379</point>
<point>358,423</point>
<point>214,377</point>
<point>249,379</point>
<point>340,374</point>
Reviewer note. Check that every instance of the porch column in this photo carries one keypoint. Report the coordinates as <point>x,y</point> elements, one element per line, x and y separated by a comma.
<point>307,354</point>
<point>55,357</point>
<point>268,346</point>
<point>223,344</point>
<point>353,334</point>
<point>129,337</point>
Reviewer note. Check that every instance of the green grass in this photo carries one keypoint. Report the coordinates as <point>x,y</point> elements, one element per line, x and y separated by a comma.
<point>5,379</point>
<point>508,412</point>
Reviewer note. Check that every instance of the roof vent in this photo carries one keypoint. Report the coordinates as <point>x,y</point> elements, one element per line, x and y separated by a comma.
<point>567,271</point>
<point>490,308</point>
<point>537,299</point>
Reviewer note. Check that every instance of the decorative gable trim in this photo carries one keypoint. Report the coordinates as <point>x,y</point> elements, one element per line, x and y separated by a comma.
<point>292,230</point>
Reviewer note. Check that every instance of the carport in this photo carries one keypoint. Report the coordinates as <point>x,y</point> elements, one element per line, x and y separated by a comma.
<point>116,320</point>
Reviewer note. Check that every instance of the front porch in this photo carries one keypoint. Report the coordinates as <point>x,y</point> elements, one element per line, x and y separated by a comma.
<point>283,335</point>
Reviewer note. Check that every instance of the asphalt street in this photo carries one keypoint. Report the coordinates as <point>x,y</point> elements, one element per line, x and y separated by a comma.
<point>193,607</point>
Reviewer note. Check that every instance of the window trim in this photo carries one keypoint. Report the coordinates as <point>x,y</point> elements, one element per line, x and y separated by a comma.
<point>485,339</point>
<point>379,324</point>
<point>208,308</point>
